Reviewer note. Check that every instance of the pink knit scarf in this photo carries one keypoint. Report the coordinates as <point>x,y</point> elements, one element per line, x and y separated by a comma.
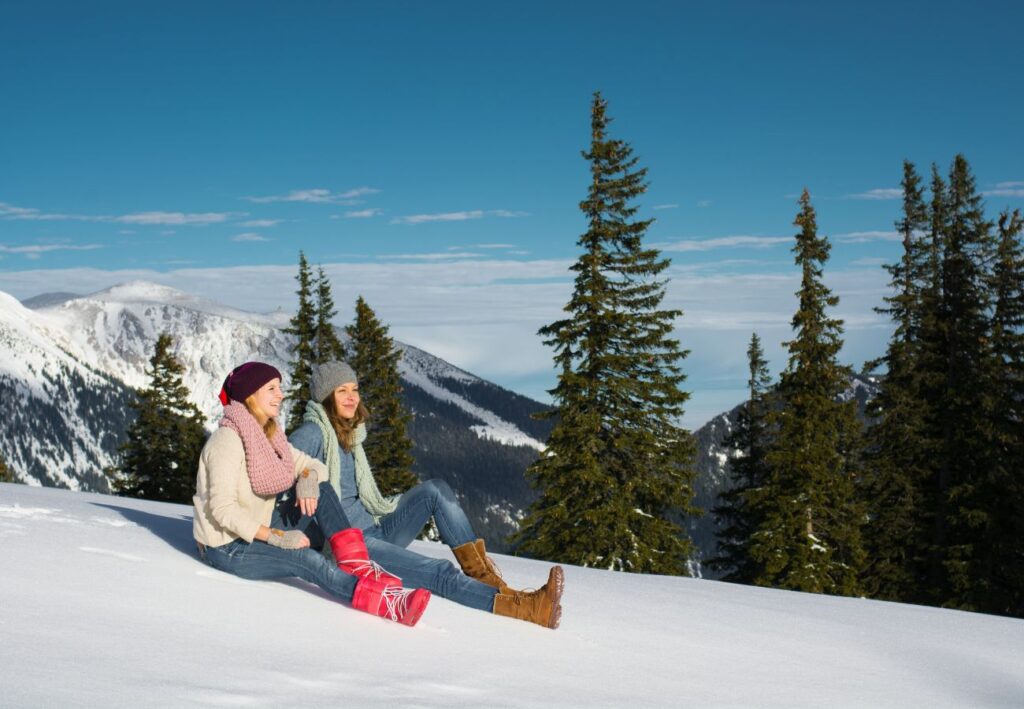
<point>268,461</point>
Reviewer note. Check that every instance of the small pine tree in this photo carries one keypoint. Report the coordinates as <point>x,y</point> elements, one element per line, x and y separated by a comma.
<point>328,346</point>
<point>161,454</point>
<point>809,535</point>
<point>375,358</point>
<point>735,516</point>
<point>6,474</point>
<point>617,465</point>
<point>302,327</point>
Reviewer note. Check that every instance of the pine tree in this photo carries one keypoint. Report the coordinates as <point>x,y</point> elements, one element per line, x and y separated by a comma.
<point>617,465</point>
<point>302,327</point>
<point>899,462</point>
<point>736,516</point>
<point>1002,568</point>
<point>327,345</point>
<point>809,537</point>
<point>161,454</point>
<point>964,401</point>
<point>6,474</point>
<point>374,357</point>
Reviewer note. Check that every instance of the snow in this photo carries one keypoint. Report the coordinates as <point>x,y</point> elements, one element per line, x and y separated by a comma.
<point>106,604</point>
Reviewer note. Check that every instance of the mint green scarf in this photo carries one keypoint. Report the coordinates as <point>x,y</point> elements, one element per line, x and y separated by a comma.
<point>369,494</point>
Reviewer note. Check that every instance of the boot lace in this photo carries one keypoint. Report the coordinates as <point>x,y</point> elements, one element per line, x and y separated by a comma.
<point>396,601</point>
<point>364,567</point>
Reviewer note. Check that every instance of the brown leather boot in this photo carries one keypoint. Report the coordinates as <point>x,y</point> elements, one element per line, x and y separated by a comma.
<point>472,557</point>
<point>542,606</point>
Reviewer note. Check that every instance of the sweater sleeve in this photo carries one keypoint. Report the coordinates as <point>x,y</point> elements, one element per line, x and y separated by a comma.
<point>225,463</point>
<point>308,439</point>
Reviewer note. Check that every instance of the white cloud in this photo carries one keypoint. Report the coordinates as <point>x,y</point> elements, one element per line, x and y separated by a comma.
<point>457,216</point>
<point>1008,185</point>
<point>177,218</point>
<point>724,242</point>
<point>1006,189</point>
<point>317,196</point>
<point>249,236</point>
<point>493,246</point>
<point>8,211</point>
<point>261,223</point>
<point>860,237</point>
<point>704,203</point>
<point>432,257</point>
<point>665,206</point>
<point>878,194</point>
<point>33,251</point>
<point>364,213</point>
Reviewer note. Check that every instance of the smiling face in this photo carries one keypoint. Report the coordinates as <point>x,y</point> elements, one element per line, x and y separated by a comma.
<point>346,400</point>
<point>267,400</point>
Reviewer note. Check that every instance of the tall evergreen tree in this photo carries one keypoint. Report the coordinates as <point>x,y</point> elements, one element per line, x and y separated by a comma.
<point>374,357</point>
<point>1005,546</point>
<point>963,421</point>
<point>327,345</point>
<point>617,465</point>
<point>736,516</point>
<point>6,474</point>
<point>161,454</point>
<point>898,463</point>
<point>809,538</point>
<point>303,327</point>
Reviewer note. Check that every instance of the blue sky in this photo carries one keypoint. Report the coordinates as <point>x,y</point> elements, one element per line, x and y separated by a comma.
<point>428,155</point>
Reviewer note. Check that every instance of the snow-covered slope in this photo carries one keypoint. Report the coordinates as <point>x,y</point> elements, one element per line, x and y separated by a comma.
<point>105,604</point>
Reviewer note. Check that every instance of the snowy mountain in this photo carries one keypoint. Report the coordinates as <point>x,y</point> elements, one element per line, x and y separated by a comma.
<point>67,368</point>
<point>105,604</point>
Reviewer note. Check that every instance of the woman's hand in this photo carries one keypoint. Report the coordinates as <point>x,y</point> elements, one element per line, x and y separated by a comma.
<point>307,490</point>
<point>292,539</point>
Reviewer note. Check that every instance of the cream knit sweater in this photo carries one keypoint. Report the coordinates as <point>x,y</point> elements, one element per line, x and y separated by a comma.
<point>225,507</point>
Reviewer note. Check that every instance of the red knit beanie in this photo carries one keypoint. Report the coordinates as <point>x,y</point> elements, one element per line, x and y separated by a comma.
<point>245,380</point>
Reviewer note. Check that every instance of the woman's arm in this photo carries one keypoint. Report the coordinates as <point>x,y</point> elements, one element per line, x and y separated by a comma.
<point>225,463</point>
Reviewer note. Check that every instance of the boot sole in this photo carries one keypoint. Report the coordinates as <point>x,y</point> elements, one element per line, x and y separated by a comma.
<point>412,616</point>
<point>555,586</point>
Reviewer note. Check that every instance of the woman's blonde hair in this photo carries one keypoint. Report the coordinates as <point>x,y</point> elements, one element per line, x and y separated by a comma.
<point>344,428</point>
<point>269,424</point>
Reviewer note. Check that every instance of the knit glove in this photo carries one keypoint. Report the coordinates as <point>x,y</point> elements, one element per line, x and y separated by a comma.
<point>307,486</point>
<point>292,539</point>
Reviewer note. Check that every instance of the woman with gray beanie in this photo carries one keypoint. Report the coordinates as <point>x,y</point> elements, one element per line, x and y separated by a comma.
<point>252,487</point>
<point>333,431</point>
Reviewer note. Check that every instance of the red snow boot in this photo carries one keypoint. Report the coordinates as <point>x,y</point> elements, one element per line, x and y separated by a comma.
<point>402,605</point>
<point>352,557</point>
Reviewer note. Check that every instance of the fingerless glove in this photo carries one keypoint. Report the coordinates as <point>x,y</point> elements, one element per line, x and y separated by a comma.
<point>292,539</point>
<point>307,485</point>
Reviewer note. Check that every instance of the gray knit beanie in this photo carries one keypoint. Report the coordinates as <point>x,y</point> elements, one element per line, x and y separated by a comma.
<point>329,376</point>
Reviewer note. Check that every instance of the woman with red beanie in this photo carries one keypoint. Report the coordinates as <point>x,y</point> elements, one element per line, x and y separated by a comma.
<point>249,475</point>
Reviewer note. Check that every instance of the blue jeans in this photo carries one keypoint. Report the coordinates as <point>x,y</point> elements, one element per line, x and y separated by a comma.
<point>259,561</point>
<point>388,540</point>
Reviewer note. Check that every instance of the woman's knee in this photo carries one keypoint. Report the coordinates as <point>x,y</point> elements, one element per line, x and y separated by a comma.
<point>440,489</point>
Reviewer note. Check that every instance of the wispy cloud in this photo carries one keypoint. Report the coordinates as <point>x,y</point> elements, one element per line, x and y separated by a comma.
<point>494,246</point>
<point>261,223</point>
<point>431,257</point>
<point>665,206</point>
<point>34,251</point>
<point>703,203</point>
<point>249,236</point>
<point>317,196</point>
<point>177,218</point>
<point>725,242</point>
<point>457,216</point>
<point>364,213</point>
<point>9,211</point>
<point>860,237</point>
<point>878,194</point>
<point>1006,189</point>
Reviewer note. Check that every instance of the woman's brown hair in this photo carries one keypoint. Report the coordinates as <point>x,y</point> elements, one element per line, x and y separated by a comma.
<point>344,428</point>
